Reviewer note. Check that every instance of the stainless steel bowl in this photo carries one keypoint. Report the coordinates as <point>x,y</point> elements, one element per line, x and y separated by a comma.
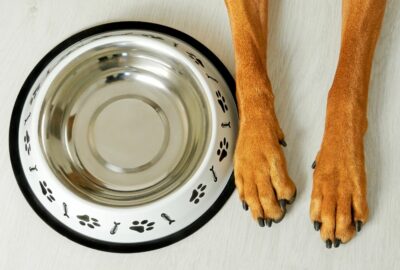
<point>122,121</point>
<point>126,122</point>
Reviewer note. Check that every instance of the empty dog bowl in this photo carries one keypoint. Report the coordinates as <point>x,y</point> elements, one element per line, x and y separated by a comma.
<point>122,137</point>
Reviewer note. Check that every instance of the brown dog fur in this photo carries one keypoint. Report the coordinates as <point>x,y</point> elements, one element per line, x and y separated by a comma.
<point>338,200</point>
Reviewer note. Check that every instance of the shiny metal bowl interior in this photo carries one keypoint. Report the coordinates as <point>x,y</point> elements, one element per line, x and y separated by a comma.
<point>123,124</point>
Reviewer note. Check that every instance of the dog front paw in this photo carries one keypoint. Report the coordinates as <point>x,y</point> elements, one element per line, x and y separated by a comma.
<point>260,170</point>
<point>338,201</point>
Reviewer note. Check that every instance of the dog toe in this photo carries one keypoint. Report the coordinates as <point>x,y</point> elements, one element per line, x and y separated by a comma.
<point>239,185</point>
<point>252,198</point>
<point>263,183</point>
<point>360,209</point>
<point>344,221</point>
<point>328,219</point>
<point>338,202</point>
<point>268,199</point>
<point>281,182</point>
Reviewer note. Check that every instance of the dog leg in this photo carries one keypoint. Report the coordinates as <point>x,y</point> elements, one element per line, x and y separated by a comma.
<point>260,168</point>
<point>338,201</point>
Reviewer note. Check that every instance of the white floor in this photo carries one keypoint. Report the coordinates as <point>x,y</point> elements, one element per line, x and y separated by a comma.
<point>303,49</point>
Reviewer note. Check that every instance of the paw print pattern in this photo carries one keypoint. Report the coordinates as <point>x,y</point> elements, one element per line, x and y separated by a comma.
<point>221,101</point>
<point>142,226</point>
<point>196,60</point>
<point>198,193</point>
<point>88,221</point>
<point>47,191</point>
<point>222,151</point>
<point>34,94</point>
<point>27,141</point>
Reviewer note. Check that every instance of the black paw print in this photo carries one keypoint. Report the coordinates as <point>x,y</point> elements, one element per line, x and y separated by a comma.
<point>223,146</point>
<point>198,193</point>
<point>27,141</point>
<point>46,191</point>
<point>142,226</point>
<point>86,220</point>
<point>221,101</point>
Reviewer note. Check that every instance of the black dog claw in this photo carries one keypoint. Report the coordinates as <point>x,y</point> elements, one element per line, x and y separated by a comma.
<point>314,164</point>
<point>283,143</point>
<point>328,243</point>
<point>358,225</point>
<point>268,222</point>
<point>261,222</point>
<point>337,243</point>
<point>283,203</point>
<point>245,206</point>
<point>317,225</point>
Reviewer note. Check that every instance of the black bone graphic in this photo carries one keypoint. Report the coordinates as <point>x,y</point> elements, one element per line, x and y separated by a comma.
<point>214,175</point>
<point>115,227</point>
<point>65,210</point>
<point>27,118</point>
<point>208,76</point>
<point>224,125</point>
<point>167,218</point>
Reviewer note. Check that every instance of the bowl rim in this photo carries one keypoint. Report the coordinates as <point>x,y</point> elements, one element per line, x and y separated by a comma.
<point>22,181</point>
